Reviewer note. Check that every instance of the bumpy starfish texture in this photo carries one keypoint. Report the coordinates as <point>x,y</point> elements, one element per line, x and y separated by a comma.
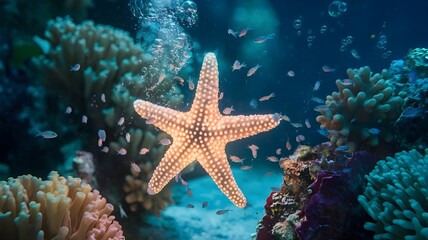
<point>202,134</point>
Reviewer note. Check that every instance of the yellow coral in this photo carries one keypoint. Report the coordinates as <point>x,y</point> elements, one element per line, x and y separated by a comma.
<point>58,208</point>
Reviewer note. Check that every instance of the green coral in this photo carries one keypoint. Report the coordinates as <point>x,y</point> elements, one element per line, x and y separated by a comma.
<point>396,197</point>
<point>368,103</point>
<point>417,59</point>
<point>112,75</point>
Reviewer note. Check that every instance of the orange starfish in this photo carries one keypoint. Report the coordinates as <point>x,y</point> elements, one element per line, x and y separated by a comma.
<point>202,134</point>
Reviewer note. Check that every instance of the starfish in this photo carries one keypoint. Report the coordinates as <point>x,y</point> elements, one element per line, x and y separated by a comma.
<point>202,134</point>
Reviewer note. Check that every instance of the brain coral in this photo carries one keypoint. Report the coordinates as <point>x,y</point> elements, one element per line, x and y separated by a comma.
<point>58,208</point>
<point>363,106</point>
<point>396,197</point>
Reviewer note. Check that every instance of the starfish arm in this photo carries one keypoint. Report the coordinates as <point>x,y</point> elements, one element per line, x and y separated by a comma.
<point>164,118</point>
<point>207,92</point>
<point>216,165</point>
<point>176,159</point>
<point>237,127</point>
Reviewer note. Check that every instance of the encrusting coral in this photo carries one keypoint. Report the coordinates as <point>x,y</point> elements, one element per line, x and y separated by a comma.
<point>57,208</point>
<point>361,114</point>
<point>396,197</point>
<point>111,74</point>
<point>417,59</point>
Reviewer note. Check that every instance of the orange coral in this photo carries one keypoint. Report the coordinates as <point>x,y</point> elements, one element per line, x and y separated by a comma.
<point>57,208</point>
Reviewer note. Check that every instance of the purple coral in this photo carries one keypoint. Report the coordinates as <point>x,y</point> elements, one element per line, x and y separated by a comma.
<point>333,211</point>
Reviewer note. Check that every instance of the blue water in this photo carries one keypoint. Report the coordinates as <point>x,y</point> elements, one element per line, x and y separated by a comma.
<point>368,33</point>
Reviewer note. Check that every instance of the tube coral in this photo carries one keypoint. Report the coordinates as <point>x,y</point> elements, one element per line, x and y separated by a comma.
<point>361,114</point>
<point>396,197</point>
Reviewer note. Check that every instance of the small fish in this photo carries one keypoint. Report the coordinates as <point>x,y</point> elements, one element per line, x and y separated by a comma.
<point>285,118</point>
<point>296,125</point>
<point>102,134</point>
<point>150,120</point>
<point>272,159</point>
<point>144,151</point>
<point>75,67</point>
<point>189,192</point>
<point>300,138</point>
<point>128,137</point>
<point>84,119</point>
<point>288,145</point>
<point>265,98</point>
<point>246,167</point>
<point>238,65</point>
<point>253,103</point>
<point>373,131</point>
<point>321,108</point>
<point>236,159</point>
<point>103,98</point>
<point>341,148</point>
<point>220,96</point>
<point>291,73</point>
<point>47,134</point>
<point>316,86</point>
<point>276,117</point>
<point>253,149</point>
<point>243,32</point>
<point>223,211</point>
<point>165,141</point>
<point>105,149</point>
<point>122,212</point>
<point>191,84</point>
<point>184,183</point>
<point>347,82</point>
<point>162,76</point>
<point>263,39</point>
<point>231,32</point>
<point>180,80</point>
<point>253,70</point>
<point>120,121</point>
<point>122,152</point>
<point>317,100</point>
<point>355,54</point>
<point>412,112</point>
<point>204,204</point>
<point>278,151</point>
<point>307,123</point>
<point>189,205</point>
<point>327,69</point>
<point>323,132</point>
<point>68,110</point>
<point>135,167</point>
<point>228,110</point>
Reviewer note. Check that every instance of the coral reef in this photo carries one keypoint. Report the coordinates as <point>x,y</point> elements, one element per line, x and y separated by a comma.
<point>361,114</point>
<point>57,208</point>
<point>332,211</point>
<point>417,60</point>
<point>396,197</point>
<point>317,199</point>
<point>111,74</point>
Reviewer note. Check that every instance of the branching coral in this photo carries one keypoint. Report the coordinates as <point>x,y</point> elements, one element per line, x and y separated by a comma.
<point>112,75</point>
<point>363,106</point>
<point>396,197</point>
<point>58,208</point>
